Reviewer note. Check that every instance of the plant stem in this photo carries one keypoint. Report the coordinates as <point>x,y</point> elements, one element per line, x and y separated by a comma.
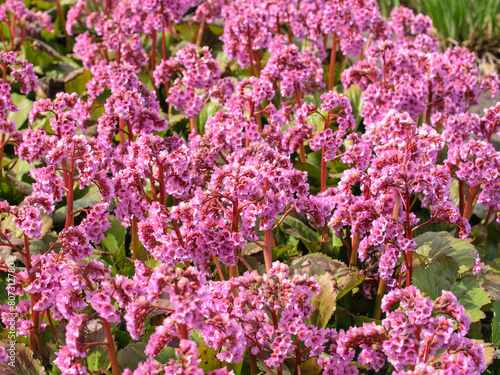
<point>354,250</point>
<point>217,265</point>
<point>192,124</point>
<point>152,55</point>
<point>233,270</point>
<point>2,140</point>
<point>115,367</point>
<point>69,195</point>
<point>60,14</point>
<point>200,31</point>
<point>332,63</point>
<point>135,238</point>
<point>268,234</point>
<point>298,357</point>
<point>377,314</point>
<point>253,364</point>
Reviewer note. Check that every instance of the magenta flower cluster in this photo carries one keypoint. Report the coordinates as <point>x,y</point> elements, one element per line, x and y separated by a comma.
<point>195,204</point>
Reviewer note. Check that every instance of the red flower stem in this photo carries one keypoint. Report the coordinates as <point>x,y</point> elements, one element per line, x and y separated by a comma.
<point>233,270</point>
<point>469,205</point>
<point>429,106</point>
<point>35,315</point>
<point>409,235</point>
<point>324,172</point>
<point>461,194</point>
<point>152,55</point>
<point>302,150</point>
<point>488,217</point>
<point>12,33</point>
<point>257,62</point>
<point>135,238</point>
<point>2,140</point>
<point>492,128</point>
<point>253,364</point>
<point>353,259</point>
<point>252,70</point>
<point>60,14</point>
<point>323,162</point>
<point>289,32</point>
<point>217,265</point>
<point>115,367</point>
<point>183,331</point>
<point>89,345</point>
<point>192,124</point>
<point>121,131</point>
<point>268,234</point>
<point>118,55</point>
<point>298,357</point>
<point>69,193</point>
<point>200,31</point>
<point>363,53</point>
<point>332,62</point>
<point>163,42</point>
<point>51,324</point>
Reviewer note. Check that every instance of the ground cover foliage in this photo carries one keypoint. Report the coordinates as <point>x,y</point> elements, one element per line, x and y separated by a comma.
<point>244,187</point>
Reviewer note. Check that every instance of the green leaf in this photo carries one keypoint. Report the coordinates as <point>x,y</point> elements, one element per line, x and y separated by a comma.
<point>491,283</point>
<point>325,301</point>
<point>309,237</point>
<point>461,250</point>
<point>8,191</point>
<point>208,111</point>
<point>24,105</point>
<point>131,355</point>
<point>98,358</point>
<point>78,84</point>
<point>35,57</point>
<point>83,198</point>
<point>311,367</point>
<point>495,323</point>
<point>313,265</point>
<point>472,296</point>
<point>209,361</point>
<point>114,238</point>
<point>166,354</point>
<point>24,362</point>
<point>439,275</point>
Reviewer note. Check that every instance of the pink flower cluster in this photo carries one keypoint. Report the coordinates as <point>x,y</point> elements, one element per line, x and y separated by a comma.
<point>196,203</point>
<point>418,337</point>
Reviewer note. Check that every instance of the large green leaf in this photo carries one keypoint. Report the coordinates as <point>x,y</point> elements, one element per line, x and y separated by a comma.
<point>317,264</point>
<point>325,301</point>
<point>472,296</point>
<point>131,355</point>
<point>24,362</point>
<point>208,357</point>
<point>439,275</point>
<point>460,250</point>
<point>495,324</point>
<point>309,237</point>
<point>209,110</point>
<point>83,198</point>
<point>335,279</point>
<point>114,238</point>
<point>24,105</point>
<point>98,358</point>
<point>78,84</point>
